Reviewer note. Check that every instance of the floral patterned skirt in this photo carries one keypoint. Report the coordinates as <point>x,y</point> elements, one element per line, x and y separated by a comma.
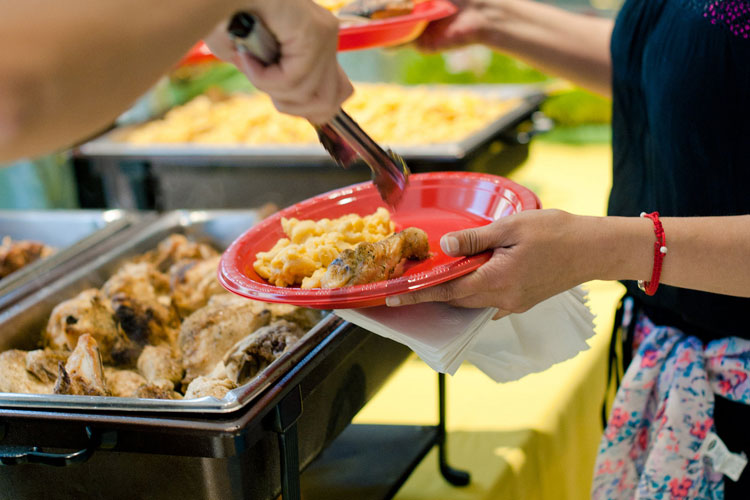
<point>663,411</point>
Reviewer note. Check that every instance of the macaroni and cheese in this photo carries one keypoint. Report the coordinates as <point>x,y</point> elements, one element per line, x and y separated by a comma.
<point>310,246</point>
<point>390,114</point>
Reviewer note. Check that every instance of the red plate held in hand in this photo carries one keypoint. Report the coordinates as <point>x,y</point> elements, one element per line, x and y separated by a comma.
<point>394,30</point>
<point>436,202</point>
<point>367,35</point>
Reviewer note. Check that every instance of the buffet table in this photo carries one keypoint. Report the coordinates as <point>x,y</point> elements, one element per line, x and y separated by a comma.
<point>535,438</point>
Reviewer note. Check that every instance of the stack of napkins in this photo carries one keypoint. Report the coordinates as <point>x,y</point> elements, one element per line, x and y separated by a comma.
<point>507,349</point>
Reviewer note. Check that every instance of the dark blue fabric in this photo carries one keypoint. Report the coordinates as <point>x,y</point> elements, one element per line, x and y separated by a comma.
<point>681,137</point>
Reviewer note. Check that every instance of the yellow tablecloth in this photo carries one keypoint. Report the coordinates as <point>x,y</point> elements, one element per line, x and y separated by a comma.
<point>535,438</point>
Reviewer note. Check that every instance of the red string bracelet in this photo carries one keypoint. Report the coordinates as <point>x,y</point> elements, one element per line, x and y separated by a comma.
<point>660,250</point>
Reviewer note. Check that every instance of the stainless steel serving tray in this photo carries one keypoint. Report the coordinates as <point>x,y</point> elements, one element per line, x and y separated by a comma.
<point>21,324</point>
<point>106,146</point>
<point>71,232</point>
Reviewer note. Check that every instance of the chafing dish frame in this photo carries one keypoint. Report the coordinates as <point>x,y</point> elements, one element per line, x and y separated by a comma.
<point>224,435</point>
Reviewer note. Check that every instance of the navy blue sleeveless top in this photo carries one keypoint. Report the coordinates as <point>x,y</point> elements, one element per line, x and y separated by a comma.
<point>681,134</point>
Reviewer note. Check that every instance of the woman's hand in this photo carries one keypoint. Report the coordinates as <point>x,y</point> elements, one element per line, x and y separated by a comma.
<point>557,42</point>
<point>535,255</point>
<point>307,81</point>
<point>463,28</point>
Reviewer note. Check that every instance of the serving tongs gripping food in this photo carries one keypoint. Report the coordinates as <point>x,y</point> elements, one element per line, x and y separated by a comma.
<point>342,137</point>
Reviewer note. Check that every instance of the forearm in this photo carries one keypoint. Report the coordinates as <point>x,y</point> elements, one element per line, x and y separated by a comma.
<point>704,253</point>
<point>573,46</point>
<point>69,68</point>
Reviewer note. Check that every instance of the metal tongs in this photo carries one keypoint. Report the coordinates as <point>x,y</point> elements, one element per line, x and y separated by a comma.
<point>342,137</point>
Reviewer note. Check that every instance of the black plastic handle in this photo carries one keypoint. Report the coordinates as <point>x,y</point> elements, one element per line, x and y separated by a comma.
<point>250,35</point>
<point>19,455</point>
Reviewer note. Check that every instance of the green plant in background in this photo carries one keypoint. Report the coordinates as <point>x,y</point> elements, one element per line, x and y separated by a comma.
<point>579,116</point>
<point>418,68</point>
<point>578,107</point>
<point>191,81</point>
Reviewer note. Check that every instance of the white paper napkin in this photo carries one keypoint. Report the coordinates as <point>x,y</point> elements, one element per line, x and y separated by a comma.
<point>506,349</point>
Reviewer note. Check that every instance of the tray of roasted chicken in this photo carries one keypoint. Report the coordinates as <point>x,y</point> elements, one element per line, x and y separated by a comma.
<point>37,245</point>
<point>146,326</point>
<point>440,123</point>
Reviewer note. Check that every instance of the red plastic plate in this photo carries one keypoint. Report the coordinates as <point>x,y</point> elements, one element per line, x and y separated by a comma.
<point>383,33</point>
<point>394,30</point>
<point>437,202</point>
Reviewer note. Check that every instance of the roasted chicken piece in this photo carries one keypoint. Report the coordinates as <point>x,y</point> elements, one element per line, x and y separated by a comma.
<point>259,349</point>
<point>210,331</point>
<point>89,312</point>
<point>160,363</point>
<point>193,282</point>
<point>131,384</point>
<point>215,384</point>
<point>14,377</point>
<point>204,386</point>
<point>174,249</point>
<point>143,310</point>
<point>44,362</point>
<point>371,262</point>
<point>16,254</point>
<point>123,383</point>
<point>305,318</point>
<point>82,374</point>
<point>162,389</point>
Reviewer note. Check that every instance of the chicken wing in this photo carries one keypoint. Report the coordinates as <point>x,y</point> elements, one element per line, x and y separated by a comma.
<point>371,262</point>
<point>210,331</point>
<point>15,378</point>
<point>259,349</point>
<point>142,306</point>
<point>83,374</point>
<point>89,312</point>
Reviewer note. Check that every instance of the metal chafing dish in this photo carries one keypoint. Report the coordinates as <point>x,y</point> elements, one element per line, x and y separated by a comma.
<point>73,233</point>
<point>249,445</point>
<point>184,176</point>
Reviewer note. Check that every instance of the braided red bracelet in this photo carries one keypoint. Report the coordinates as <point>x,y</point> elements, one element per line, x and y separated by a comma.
<point>660,250</point>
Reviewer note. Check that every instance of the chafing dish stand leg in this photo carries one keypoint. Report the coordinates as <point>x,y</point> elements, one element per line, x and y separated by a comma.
<point>454,476</point>
<point>286,414</point>
<point>373,461</point>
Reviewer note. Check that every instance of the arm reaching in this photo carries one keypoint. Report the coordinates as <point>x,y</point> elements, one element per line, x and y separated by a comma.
<point>540,253</point>
<point>573,46</point>
<point>70,68</point>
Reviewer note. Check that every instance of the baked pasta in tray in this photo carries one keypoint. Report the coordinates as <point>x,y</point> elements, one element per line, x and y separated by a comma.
<point>391,114</point>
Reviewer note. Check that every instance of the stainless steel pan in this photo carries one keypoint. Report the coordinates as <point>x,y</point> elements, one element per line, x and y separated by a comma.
<point>21,323</point>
